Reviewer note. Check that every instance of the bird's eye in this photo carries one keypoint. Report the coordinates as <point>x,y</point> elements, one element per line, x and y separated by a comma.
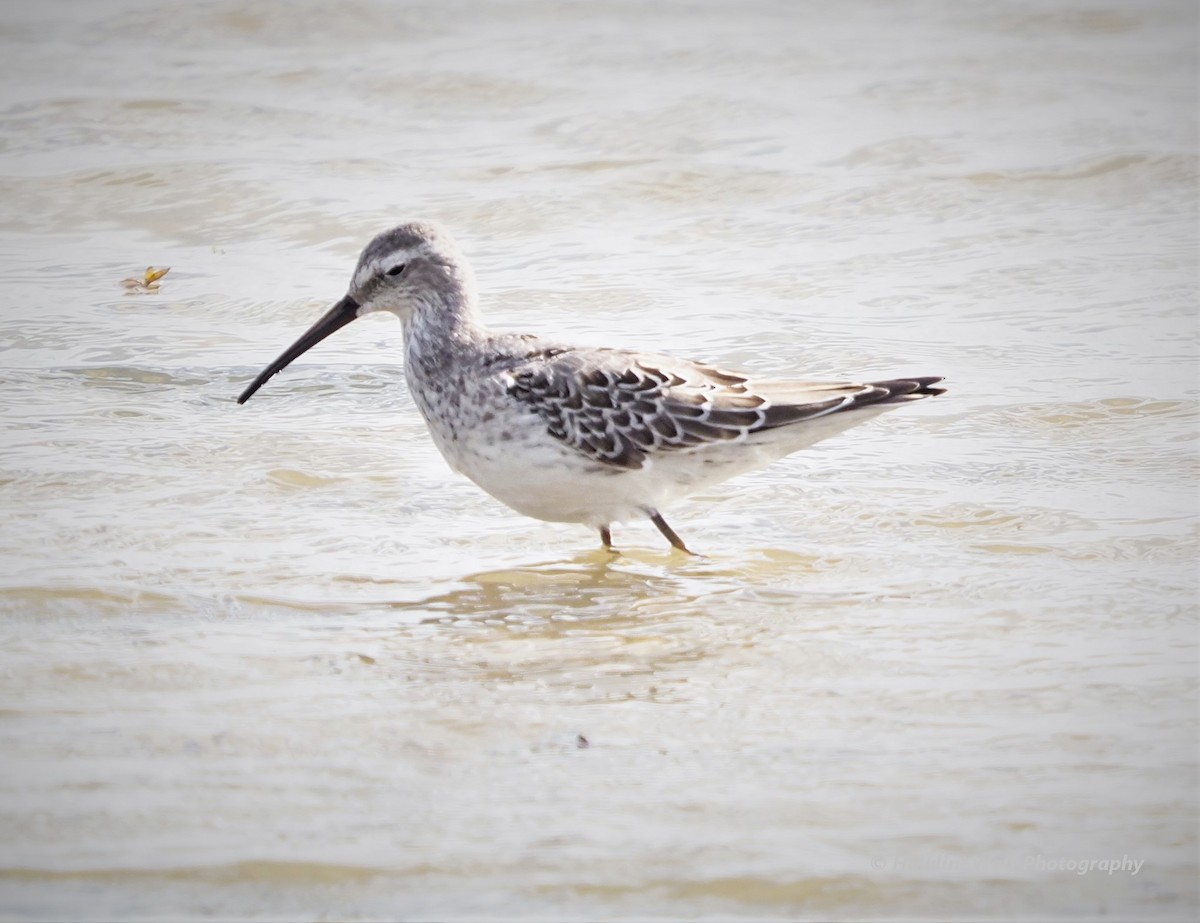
<point>396,270</point>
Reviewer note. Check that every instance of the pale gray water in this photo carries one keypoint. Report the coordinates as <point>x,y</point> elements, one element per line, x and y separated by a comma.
<point>276,661</point>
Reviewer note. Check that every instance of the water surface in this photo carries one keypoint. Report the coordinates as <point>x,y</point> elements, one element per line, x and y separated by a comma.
<point>276,660</point>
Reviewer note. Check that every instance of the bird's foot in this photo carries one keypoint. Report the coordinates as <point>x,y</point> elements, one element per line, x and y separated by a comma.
<point>606,540</point>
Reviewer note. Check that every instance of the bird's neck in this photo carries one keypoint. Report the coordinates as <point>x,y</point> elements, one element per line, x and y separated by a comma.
<point>442,329</point>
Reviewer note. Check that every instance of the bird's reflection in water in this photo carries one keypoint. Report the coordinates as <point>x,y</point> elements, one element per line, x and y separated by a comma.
<point>594,587</point>
<point>593,621</point>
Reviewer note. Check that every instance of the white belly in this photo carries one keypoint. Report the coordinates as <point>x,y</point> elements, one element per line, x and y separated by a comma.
<point>506,450</point>
<point>535,475</point>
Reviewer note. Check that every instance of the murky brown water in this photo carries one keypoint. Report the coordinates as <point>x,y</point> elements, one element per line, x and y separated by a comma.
<point>275,660</point>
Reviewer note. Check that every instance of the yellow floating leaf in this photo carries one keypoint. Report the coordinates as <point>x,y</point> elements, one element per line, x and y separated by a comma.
<point>148,283</point>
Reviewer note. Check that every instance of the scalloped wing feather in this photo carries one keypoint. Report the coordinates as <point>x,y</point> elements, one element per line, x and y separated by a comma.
<point>619,408</point>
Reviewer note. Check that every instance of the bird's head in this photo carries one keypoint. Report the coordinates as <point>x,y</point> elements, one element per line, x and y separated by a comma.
<point>413,271</point>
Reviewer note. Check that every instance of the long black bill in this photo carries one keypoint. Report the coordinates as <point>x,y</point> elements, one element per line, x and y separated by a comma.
<point>333,320</point>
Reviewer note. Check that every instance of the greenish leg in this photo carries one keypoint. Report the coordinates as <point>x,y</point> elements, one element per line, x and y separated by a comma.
<point>675,540</point>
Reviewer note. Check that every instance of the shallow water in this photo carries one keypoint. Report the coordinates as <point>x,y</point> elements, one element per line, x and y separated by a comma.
<point>276,660</point>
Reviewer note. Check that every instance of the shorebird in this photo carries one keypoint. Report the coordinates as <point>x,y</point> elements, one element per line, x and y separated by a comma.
<point>578,434</point>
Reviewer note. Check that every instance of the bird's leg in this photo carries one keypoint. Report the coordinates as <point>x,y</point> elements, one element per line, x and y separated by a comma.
<point>661,524</point>
<point>606,538</point>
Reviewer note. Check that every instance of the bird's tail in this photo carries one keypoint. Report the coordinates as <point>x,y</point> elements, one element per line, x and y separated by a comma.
<point>902,389</point>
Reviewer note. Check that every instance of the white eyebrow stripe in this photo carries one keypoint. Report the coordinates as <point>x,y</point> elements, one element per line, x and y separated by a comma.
<point>382,264</point>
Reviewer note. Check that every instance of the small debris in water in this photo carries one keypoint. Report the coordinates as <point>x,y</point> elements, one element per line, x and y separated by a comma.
<point>147,284</point>
<point>581,742</point>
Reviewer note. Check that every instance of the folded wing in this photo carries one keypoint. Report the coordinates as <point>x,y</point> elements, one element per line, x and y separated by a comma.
<point>619,408</point>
